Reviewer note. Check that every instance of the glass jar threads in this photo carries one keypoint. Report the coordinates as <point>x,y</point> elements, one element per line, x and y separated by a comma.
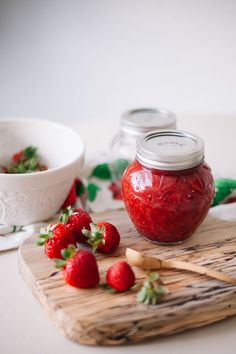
<point>135,123</point>
<point>168,189</point>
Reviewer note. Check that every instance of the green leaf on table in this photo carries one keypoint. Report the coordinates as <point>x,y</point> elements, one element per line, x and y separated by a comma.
<point>92,189</point>
<point>102,171</point>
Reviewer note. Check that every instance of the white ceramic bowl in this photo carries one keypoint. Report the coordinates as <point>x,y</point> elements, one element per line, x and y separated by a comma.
<point>32,197</point>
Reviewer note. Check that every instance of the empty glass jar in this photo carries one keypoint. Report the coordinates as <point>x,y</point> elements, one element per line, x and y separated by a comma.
<point>135,123</point>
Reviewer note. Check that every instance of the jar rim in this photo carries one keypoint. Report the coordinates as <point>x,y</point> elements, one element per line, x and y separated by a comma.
<point>142,120</point>
<point>170,150</point>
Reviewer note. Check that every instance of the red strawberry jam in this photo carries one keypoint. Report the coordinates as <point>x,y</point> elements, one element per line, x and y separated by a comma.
<point>168,189</point>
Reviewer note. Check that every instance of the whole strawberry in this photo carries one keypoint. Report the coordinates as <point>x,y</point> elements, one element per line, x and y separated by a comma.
<point>76,220</point>
<point>55,238</point>
<point>79,268</point>
<point>103,237</point>
<point>120,276</point>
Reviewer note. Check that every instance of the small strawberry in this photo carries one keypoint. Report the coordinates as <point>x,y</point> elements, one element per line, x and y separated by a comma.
<point>76,220</point>
<point>55,238</point>
<point>103,237</point>
<point>120,276</point>
<point>80,268</point>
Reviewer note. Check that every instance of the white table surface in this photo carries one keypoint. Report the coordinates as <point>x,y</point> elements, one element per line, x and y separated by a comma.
<point>24,327</point>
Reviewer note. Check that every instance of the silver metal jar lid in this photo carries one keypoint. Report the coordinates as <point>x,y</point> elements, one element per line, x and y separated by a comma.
<point>170,150</point>
<point>143,120</point>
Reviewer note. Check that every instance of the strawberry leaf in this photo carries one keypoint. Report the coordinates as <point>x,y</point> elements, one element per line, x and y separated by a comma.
<point>66,213</point>
<point>141,295</point>
<point>152,290</point>
<point>95,235</point>
<point>30,152</point>
<point>136,286</point>
<point>153,276</point>
<point>68,252</point>
<point>40,243</point>
<point>107,288</point>
<point>59,263</point>
<point>43,236</point>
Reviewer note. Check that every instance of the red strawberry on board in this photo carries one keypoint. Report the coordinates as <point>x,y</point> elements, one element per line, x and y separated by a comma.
<point>120,276</point>
<point>76,220</point>
<point>55,238</point>
<point>103,237</point>
<point>80,268</point>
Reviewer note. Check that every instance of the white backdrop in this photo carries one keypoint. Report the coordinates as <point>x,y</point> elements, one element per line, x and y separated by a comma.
<point>92,59</point>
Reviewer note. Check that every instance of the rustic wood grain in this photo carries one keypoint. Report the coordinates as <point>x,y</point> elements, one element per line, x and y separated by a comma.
<point>96,317</point>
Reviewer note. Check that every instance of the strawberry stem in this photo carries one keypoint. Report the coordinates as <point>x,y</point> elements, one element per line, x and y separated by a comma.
<point>152,290</point>
<point>66,213</point>
<point>40,243</point>
<point>95,235</point>
<point>68,252</point>
<point>59,263</point>
<point>45,234</point>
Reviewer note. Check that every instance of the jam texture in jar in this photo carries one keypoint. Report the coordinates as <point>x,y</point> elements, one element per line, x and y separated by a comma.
<point>168,189</point>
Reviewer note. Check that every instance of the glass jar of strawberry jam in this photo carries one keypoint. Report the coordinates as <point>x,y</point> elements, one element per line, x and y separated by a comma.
<point>168,189</point>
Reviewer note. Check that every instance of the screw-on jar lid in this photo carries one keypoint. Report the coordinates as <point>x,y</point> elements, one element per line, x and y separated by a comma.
<point>143,120</point>
<point>170,150</point>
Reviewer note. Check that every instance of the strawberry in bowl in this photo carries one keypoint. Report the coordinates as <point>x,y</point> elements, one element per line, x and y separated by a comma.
<point>25,161</point>
<point>37,196</point>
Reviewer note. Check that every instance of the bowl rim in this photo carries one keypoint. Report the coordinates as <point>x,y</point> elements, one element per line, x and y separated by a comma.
<point>50,170</point>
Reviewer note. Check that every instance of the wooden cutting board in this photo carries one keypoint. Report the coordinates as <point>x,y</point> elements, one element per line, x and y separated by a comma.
<point>96,317</point>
